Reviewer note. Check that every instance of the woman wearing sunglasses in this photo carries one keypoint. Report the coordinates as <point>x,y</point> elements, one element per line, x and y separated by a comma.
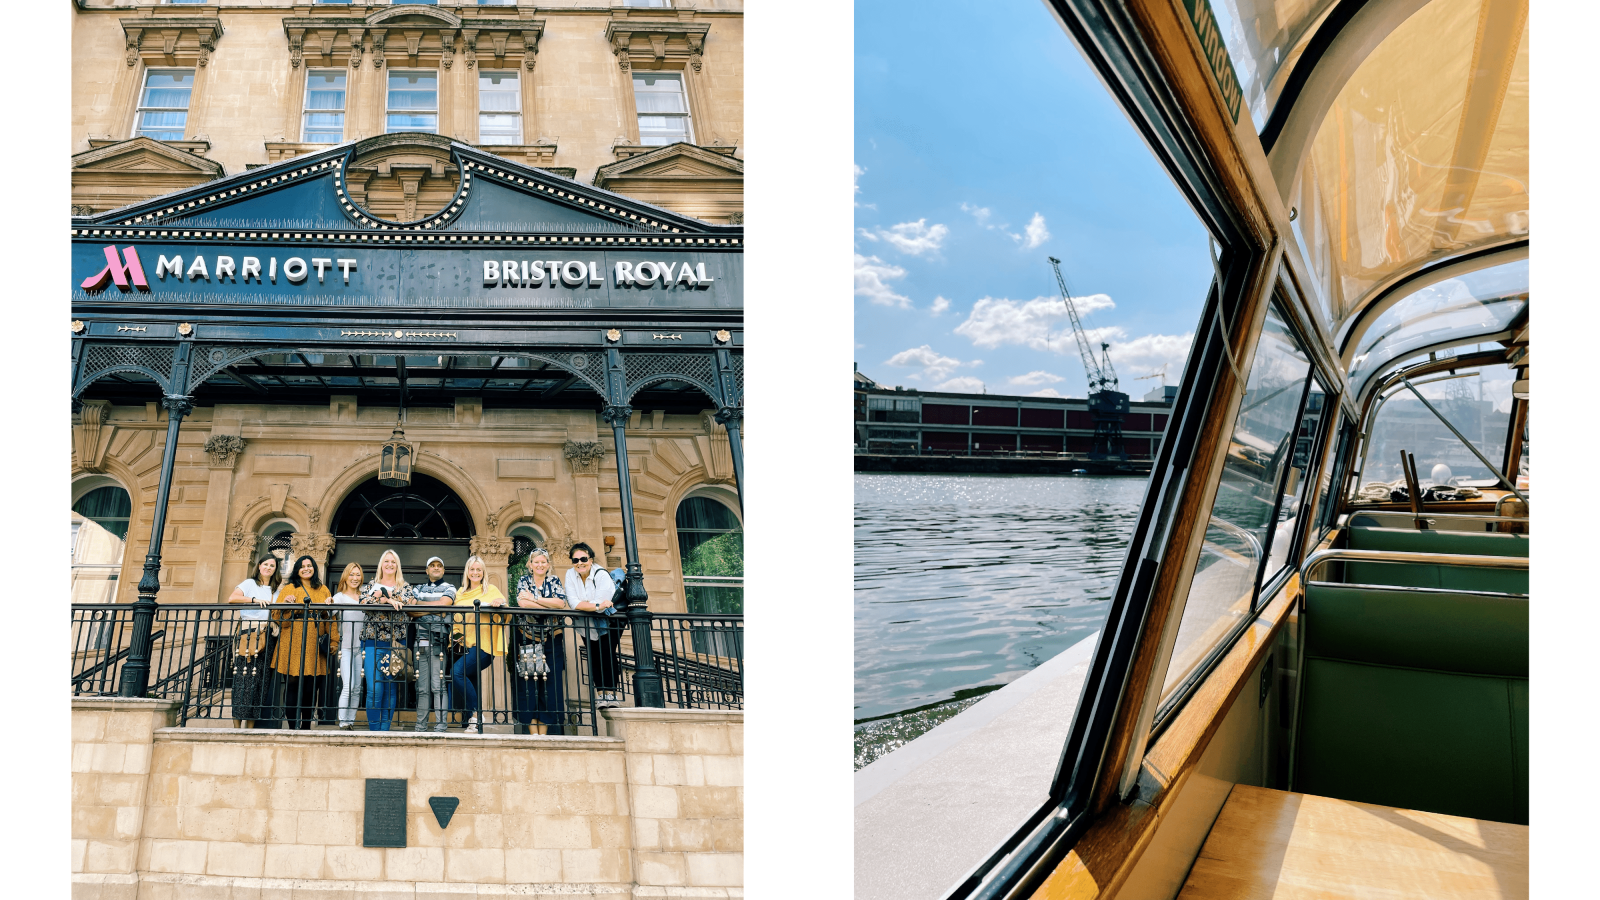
<point>589,588</point>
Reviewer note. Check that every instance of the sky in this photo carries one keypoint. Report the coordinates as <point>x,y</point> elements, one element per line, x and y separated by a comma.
<point>984,144</point>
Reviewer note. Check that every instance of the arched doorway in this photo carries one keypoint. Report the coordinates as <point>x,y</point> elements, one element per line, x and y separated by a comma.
<point>423,519</point>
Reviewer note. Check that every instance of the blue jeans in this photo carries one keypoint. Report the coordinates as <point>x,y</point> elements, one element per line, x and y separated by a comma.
<point>465,676</point>
<point>382,689</point>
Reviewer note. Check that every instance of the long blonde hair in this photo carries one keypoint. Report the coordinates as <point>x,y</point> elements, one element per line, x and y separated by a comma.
<point>399,572</point>
<point>344,579</point>
<point>483,583</point>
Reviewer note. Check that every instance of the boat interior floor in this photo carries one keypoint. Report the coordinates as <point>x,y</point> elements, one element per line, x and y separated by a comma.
<point>1288,846</point>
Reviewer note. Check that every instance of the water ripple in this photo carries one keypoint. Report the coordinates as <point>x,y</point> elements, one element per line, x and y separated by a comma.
<point>967,581</point>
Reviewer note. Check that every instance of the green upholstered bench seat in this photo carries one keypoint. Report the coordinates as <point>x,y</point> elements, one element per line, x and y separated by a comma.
<point>1443,577</point>
<point>1416,699</point>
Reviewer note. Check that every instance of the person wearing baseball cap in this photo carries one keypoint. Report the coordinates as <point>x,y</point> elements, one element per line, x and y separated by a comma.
<point>433,632</point>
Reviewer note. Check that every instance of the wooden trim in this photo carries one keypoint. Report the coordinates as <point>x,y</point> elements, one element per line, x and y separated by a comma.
<point>1183,544</point>
<point>1103,858</point>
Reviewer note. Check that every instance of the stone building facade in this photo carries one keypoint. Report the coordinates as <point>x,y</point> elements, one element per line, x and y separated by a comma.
<point>174,99</point>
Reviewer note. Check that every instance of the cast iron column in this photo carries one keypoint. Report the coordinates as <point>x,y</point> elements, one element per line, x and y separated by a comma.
<point>647,690</point>
<point>136,672</point>
<point>730,414</point>
<point>729,417</point>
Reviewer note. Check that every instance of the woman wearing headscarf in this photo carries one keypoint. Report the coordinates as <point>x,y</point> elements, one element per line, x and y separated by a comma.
<point>308,638</point>
<point>384,632</point>
<point>539,660</point>
<point>252,679</point>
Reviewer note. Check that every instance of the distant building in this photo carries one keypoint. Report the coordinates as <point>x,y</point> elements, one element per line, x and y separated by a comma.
<point>906,421</point>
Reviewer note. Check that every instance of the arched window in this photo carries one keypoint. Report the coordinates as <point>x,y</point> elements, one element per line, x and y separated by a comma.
<point>425,518</point>
<point>524,538</point>
<point>711,549</point>
<point>99,535</point>
<point>107,506</point>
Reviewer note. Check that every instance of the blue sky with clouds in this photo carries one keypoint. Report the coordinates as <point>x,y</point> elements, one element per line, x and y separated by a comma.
<point>984,143</point>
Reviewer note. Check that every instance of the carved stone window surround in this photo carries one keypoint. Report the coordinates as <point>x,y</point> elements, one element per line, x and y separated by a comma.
<point>412,36</point>
<point>171,40</point>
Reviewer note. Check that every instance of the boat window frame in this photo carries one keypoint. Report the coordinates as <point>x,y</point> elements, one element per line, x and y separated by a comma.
<point>1263,587</point>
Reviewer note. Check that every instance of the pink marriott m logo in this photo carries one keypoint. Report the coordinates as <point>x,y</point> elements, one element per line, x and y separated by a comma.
<point>118,272</point>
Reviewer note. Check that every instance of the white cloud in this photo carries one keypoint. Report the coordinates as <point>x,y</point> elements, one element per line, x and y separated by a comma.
<point>1035,378</point>
<point>935,365</point>
<point>1048,392</point>
<point>1147,353</point>
<point>1037,233</point>
<point>855,184</point>
<point>872,277</point>
<point>981,213</point>
<point>940,304</point>
<point>915,238</point>
<point>1036,323</point>
<point>966,384</point>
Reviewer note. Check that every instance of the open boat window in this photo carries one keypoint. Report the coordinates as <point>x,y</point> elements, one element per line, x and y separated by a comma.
<point>1476,401</point>
<point>1244,516</point>
<point>1289,533</point>
<point>1423,154</point>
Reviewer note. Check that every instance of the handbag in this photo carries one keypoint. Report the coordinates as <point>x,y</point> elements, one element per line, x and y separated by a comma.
<point>251,643</point>
<point>399,663</point>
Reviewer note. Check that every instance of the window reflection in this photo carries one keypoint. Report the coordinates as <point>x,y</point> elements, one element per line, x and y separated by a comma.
<point>1242,526</point>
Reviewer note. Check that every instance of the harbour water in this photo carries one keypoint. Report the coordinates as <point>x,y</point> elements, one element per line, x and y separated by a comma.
<point>963,583</point>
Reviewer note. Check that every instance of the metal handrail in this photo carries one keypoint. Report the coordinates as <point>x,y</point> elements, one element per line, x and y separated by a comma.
<point>1477,517</point>
<point>1322,557</point>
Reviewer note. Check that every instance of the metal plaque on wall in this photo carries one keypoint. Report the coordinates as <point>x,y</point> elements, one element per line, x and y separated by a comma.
<point>384,817</point>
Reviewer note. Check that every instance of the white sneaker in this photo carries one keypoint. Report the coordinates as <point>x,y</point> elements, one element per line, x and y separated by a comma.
<point>471,726</point>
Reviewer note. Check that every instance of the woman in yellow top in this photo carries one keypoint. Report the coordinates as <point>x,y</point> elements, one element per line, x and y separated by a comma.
<point>308,639</point>
<point>485,638</point>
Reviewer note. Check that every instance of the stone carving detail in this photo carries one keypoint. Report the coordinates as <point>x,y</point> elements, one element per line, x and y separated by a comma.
<point>696,49</point>
<point>296,46</point>
<point>315,515</point>
<point>356,47</point>
<point>132,36</point>
<point>584,456</point>
<point>223,450</point>
<point>241,544</point>
<point>736,218</point>
<point>493,549</point>
<point>208,45</point>
<point>492,521</point>
<point>86,434</point>
<point>316,544</point>
<point>78,210</point>
<point>530,49</point>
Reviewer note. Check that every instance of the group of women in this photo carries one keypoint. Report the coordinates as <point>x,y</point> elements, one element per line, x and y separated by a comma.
<point>285,650</point>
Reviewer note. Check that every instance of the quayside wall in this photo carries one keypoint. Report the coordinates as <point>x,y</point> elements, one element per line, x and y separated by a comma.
<point>652,809</point>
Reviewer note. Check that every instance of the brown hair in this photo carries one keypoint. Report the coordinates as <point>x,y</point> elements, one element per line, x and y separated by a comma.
<point>277,571</point>
<point>344,579</point>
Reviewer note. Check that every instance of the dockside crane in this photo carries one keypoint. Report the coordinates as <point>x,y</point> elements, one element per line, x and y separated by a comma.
<point>1107,405</point>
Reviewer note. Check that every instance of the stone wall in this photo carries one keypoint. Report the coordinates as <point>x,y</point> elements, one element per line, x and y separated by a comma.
<point>655,809</point>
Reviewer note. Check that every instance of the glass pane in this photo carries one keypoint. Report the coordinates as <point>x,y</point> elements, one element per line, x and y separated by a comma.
<point>659,103</point>
<point>1241,524</point>
<point>1478,405</point>
<point>499,129</point>
<point>498,101</point>
<point>1478,303</point>
<point>163,126</point>
<point>1295,490</point>
<point>1264,39</point>
<point>659,130</point>
<point>412,123</point>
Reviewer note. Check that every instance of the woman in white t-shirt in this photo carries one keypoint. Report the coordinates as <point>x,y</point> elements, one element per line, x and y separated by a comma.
<point>252,677</point>
<point>351,620</point>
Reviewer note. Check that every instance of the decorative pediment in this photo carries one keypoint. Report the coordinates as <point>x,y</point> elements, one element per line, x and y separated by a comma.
<point>113,174</point>
<point>413,182</point>
<point>145,155</point>
<point>704,182</point>
<point>171,40</point>
<point>412,35</point>
<point>650,42</point>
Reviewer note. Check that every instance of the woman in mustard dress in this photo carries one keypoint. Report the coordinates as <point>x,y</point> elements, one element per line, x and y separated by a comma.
<point>307,638</point>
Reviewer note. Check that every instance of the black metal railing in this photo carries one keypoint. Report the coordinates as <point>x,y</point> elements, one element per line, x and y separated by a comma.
<point>495,669</point>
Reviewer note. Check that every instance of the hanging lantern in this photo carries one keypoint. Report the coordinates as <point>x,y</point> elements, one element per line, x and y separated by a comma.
<point>394,466</point>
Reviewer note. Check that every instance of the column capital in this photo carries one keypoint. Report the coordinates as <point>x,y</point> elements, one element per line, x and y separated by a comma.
<point>179,405</point>
<point>616,413</point>
<point>222,450</point>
